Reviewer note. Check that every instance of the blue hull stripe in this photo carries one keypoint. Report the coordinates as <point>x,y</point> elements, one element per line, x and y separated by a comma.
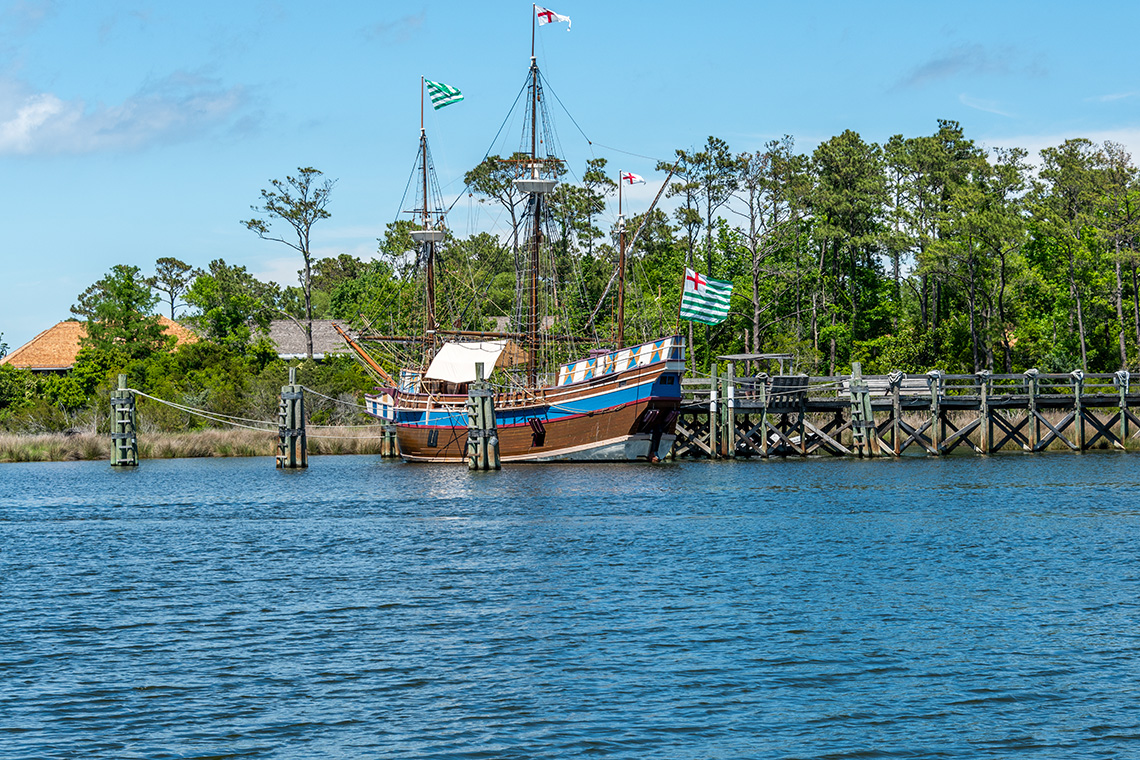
<point>620,397</point>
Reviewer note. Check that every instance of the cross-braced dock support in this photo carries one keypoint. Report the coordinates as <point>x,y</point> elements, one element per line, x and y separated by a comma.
<point>894,415</point>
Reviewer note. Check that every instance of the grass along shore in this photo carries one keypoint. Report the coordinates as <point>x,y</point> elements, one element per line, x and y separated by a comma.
<point>59,447</point>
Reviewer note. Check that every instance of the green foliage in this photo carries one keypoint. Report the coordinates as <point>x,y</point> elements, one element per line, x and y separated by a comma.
<point>118,311</point>
<point>17,387</point>
<point>172,278</point>
<point>231,304</point>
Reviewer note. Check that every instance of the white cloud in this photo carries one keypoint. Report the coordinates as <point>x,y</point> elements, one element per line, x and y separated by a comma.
<point>1114,97</point>
<point>989,106</point>
<point>179,107</point>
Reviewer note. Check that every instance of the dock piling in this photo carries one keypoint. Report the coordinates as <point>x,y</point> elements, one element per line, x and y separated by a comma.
<point>1120,379</point>
<point>292,444</point>
<point>482,433</point>
<point>124,438</point>
<point>862,420</point>
<point>1078,407</point>
<point>986,420</point>
<point>714,416</point>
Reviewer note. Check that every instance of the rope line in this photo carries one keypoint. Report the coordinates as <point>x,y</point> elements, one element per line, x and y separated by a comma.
<point>223,419</point>
<point>335,400</point>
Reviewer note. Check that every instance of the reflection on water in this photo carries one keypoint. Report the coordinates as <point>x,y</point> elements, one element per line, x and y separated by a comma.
<point>965,607</point>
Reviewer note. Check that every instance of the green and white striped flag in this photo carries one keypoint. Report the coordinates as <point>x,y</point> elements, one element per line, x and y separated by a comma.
<point>442,94</point>
<point>705,300</point>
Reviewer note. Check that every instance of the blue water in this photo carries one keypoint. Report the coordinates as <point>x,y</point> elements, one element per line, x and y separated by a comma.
<point>957,608</point>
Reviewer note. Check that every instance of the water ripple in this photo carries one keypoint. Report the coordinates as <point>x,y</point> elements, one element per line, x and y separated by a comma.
<point>365,608</point>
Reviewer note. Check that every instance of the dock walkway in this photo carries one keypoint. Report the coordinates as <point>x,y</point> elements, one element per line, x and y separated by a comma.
<point>891,415</point>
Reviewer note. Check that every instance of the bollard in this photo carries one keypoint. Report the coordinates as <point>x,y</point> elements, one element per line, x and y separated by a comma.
<point>292,445</point>
<point>124,440</point>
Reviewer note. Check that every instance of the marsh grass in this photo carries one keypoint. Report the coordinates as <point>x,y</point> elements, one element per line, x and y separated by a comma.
<point>60,447</point>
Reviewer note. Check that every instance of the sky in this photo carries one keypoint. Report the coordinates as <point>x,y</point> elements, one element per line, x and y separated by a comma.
<point>131,131</point>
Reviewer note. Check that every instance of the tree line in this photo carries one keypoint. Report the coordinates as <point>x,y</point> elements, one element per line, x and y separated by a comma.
<point>919,253</point>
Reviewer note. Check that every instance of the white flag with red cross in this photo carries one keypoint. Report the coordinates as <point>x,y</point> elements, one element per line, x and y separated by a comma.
<point>550,17</point>
<point>633,179</point>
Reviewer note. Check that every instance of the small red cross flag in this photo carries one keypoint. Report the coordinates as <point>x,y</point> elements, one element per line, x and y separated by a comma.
<point>633,179</point>
<point>550,17</point>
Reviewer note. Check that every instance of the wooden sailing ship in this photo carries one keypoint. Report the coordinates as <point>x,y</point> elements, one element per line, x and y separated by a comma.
<point>616,404</point>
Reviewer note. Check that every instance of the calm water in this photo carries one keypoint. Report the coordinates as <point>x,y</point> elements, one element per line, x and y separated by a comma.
<point>964,608</point>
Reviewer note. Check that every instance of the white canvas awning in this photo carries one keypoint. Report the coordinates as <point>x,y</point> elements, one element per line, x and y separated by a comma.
<point>455,362</point>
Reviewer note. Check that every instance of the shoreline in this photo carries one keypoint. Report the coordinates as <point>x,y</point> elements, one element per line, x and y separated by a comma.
<point>60,447</point>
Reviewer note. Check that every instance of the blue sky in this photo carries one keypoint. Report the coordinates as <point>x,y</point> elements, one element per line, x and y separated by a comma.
<point>134,130</point>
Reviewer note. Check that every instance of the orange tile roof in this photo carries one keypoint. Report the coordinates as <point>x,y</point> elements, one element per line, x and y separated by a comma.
<point>56,347</point>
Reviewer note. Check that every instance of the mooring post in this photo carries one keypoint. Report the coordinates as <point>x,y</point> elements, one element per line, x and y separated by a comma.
<point>124,439</point>
<point>896,379</point>
<point>388,447</point>
<point>714,439</point>
<point>862,417</point>
<point>1034,422</point>
<point>762,390</point>
<point>1121,380</point>
<point>482,433</point>
<point>937,433</point>
<point>1078,406</point>
<point>987,424</point>
<point>292,444</point>
<point>730,411</point>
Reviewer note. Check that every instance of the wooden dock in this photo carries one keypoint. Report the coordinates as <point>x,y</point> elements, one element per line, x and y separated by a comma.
<point>934,414</point>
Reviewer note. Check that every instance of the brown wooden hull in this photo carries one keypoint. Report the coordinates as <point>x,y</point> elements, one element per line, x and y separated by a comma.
<point>575,423</point>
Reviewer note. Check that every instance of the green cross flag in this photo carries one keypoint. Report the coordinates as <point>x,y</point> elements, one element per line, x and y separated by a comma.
<point>442,94</point>
<point>704,299</point>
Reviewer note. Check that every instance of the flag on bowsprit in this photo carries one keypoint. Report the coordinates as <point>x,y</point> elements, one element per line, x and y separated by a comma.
<point>442,94</point>
<point>705,300</point>
<point>633,179</point>
<point>550,17</point>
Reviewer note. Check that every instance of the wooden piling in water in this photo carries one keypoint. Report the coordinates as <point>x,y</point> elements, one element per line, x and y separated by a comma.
<point>389,448</point>
<point>292,444</point>
<point>714,414</point>
<point>482,432</point>
<point>124,438</point>
<point>1120,379</point>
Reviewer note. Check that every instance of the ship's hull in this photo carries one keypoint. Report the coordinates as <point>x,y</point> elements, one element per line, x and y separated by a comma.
<point>620,407</point>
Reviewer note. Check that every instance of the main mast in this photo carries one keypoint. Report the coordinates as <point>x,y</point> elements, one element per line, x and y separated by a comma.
<point>536,187</point>
<point>427,236</point>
